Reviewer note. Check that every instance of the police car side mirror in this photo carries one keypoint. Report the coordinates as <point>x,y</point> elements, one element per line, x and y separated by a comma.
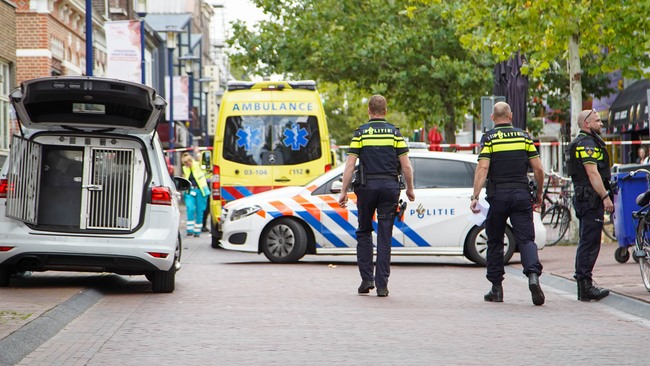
<point>182,184</point>
<point>336,186</point>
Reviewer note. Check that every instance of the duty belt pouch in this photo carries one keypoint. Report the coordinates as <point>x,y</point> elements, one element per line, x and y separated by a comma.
<point>490,189</point>
<point>358,177</point>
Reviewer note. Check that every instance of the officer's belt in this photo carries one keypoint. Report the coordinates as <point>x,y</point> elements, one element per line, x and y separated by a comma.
<point>510,185</point>
<point>381,176</point>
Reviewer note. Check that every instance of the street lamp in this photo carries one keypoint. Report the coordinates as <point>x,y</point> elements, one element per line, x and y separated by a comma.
<point>204,110</point>
<point>189,70</point>
<point>171,32</point>
<point>141,15</point>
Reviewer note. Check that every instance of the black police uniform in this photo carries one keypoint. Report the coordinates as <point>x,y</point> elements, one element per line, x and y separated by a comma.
<point>588,148</point>
<point>509,150</point>
<point>378,145</point>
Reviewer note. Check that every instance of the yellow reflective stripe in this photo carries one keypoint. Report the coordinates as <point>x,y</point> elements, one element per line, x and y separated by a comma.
<point>377,140</point>
<point>400,143</point>
<point>510,146</point>
<point>530,147</point>
<point>582,154</point>
<point>380,142</point>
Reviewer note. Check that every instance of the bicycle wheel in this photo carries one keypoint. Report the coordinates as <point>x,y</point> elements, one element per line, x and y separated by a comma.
<point>608,226</point>
<point>556,220</point>
<point>643,246</point>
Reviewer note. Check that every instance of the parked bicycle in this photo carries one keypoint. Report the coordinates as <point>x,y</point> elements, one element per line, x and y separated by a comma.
<point>641,252</point>
<point>556,212</point>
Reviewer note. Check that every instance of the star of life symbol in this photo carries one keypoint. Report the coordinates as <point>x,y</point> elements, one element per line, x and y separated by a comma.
<point>248,137</point>
<point>295,137</point>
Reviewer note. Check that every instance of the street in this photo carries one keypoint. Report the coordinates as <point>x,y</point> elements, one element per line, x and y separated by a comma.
<point>237,308</point>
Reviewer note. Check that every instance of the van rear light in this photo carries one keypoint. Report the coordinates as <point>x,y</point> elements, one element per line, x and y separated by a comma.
<point>5,248</point>
<point>158,254</point>
<point>161,196</point>
<point>328,167</point>
<point>216,183</point>
<point>4,186</point>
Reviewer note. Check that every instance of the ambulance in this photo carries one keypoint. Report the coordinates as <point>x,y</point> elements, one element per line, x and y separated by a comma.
<point>269,134</point>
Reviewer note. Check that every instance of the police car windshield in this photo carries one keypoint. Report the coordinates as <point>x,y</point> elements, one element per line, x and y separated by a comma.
<point>271,139</point>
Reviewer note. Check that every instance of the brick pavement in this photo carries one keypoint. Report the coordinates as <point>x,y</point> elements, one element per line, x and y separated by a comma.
<point>234,308</point>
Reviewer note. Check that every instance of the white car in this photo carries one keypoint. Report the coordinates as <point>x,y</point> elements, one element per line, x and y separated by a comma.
<point>287,223</point>
<point>86,187</point>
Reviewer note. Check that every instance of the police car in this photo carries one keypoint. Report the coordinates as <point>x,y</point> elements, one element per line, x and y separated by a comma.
<point>287,223</point>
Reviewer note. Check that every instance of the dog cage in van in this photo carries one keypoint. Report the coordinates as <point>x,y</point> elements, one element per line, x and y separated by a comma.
<point>76,183</point>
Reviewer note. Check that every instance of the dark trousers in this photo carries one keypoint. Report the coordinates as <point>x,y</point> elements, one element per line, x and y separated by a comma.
<point>516,205</point>
<point>380,196</point>
<point>591,229</point>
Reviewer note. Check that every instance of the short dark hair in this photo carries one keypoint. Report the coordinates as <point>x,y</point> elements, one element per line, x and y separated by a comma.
<point>377,105</point>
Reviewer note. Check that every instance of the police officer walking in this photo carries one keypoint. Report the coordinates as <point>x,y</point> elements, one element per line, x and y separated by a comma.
<point>382,154</point>
<point>506,153</point>
<point>588,167</point>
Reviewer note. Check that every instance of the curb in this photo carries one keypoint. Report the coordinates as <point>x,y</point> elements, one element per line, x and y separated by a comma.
<point>32,335</point>
<point>617,301</point>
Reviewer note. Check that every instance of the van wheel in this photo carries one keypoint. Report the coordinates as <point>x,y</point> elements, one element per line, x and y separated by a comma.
<point>5,274</point>
<point>164,282</point>
<point>476,245</point>
<point>284,241</point>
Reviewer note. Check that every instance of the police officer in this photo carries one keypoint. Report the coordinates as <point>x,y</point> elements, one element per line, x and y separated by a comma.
<point>382,153</point>
<point>588,167</point>
<point>506,153</point>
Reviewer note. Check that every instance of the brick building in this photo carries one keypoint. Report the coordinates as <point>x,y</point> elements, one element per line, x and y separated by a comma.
<point>52,39</point>
<point>7,67</point>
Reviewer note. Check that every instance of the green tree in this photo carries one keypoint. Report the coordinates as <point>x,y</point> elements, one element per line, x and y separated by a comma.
<point>613,33</point>
<point>374,46</point>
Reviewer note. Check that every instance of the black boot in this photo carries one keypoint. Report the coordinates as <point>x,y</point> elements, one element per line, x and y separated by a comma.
<point>495,294</point>
<point>535,289</point>
<point>587,291</point>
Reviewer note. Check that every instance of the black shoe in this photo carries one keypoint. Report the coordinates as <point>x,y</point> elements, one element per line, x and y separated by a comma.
<point>205,230</point>
<point>366,286</point>
<point>495,294</point>
<point>535,289</point>
<point>382,292</point>
<point>587,291</point>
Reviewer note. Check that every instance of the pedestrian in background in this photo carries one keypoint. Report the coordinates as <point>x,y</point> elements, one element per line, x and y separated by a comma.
<point>505,155</point>
<point>590,172</point>
<point>383,155</point>
<point>196,198</point>
<point>642,157</point>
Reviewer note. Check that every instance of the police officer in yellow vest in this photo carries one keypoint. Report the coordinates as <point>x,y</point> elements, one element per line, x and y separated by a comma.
<point>506,153</point>
<point>383,155</point>
<point>589,170</point>
<point>196,198</point>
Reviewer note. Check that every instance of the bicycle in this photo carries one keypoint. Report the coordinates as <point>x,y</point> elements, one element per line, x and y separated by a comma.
<point>641,252</point>
<point>556,213</point>
<point>558,221</point>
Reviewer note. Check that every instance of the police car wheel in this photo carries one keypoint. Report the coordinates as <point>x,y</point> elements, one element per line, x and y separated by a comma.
<point>476,245</point>
<point>284,241</point>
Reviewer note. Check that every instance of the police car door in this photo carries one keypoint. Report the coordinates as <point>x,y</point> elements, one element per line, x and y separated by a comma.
<point>337,230</point>
<point>439,215</point>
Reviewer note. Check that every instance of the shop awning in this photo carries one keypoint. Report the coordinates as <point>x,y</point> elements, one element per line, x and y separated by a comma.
<point>629,111</point>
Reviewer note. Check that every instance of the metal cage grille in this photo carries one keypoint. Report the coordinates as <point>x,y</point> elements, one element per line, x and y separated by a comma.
<point>23,179</point>
<point>110,193</point>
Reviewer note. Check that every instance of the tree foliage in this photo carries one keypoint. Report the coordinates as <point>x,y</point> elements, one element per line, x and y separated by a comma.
<point>372,46</point>
<point>611,34</point>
